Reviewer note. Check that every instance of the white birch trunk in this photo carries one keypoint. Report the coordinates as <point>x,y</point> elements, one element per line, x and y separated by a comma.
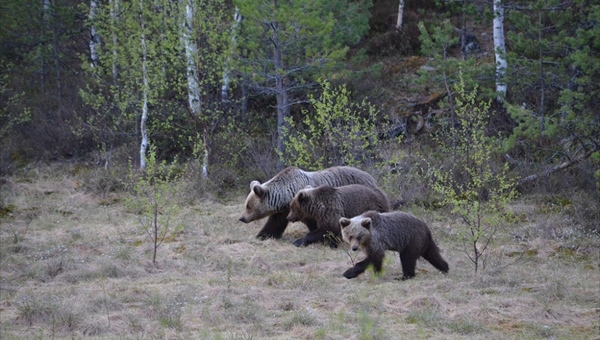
<point>114,5</point>
<point>237,18</point>
<point>94,38</point>
<point>191,53</point>
<point>145,90</point>
<point>400,15</point>
<point>500,49</point>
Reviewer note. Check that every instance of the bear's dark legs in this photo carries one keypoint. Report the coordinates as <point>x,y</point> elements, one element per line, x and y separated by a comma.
<point>433,256</point>
<point>358,269</point>
<point>409,263</point>
<point>318,235</point>
<point>274,227</point>
<point>311,224</point>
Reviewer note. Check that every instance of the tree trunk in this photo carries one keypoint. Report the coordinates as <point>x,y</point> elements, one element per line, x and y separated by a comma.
<point>282,114</point>
<point>94,37</point>
<point>400,15</point>
<point>237,19</point>
<point>191,53</point>
<point>543,83</point>
<point>114,5</point>
<point>145,91</point>
<point>500,49</point>
<point>281,95</point>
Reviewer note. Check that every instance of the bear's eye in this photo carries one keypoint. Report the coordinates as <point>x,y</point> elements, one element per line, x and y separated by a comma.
<point>358,238</point>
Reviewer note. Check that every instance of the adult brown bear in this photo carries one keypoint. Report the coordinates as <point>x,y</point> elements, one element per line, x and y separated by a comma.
<point>272,199</point>
<point>325,205</point>
<point>374,233</point>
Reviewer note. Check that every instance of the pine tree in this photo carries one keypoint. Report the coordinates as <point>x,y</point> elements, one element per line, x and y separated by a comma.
<point>285,45</point>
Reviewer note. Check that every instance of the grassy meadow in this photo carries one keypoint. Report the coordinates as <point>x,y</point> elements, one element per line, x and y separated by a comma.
<point>75,263</point>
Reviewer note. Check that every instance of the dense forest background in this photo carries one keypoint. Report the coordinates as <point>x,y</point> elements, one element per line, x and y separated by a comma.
<point>235,90</point>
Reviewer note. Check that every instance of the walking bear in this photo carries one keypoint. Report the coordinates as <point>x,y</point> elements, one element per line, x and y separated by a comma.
<point>374,233</point>
<point>325,205</point>
<point>272,199</point>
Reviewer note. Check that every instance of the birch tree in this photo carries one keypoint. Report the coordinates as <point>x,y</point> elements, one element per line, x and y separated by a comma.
<point>94,37</point>
<point>400,15</point>
<point>500,49</point>
<point>237,19</point>
<point>191,54</point>
<point>145,90</point>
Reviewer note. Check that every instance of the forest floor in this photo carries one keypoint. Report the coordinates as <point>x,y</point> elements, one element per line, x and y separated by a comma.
<point>76,264</point>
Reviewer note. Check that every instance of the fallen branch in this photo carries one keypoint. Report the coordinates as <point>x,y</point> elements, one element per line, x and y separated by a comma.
<point>552,169</point>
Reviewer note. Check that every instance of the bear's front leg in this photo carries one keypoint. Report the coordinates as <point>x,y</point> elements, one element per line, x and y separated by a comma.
<point>274,227</point>
<point>310,238</point>
<point>358,269</point>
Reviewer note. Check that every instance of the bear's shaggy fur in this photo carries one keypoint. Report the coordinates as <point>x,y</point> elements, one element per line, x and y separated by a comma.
<point>272,199</point>
<point>374,233</point>
<point>325,205</point>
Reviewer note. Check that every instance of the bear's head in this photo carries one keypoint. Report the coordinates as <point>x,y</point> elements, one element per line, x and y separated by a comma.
<point>257,203</point>
<point>356,231</point>
<point>299,204</point>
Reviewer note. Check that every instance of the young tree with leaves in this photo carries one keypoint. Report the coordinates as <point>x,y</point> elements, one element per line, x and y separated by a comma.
<point>476,190</point>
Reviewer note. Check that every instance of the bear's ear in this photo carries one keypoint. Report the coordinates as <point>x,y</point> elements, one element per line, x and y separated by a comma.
<point>344,222</point>
<point>253,184</point>
<point>366,223</point>
<point>302,196</point>
<point>258,189</point>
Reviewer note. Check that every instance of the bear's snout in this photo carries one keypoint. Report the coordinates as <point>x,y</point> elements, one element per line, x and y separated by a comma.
<point>243,219</point>
<point>354,248</point>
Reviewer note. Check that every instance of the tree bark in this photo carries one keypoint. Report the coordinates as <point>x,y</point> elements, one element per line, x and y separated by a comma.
<point>281,95</point>
<point>191,53</point>
<point>94,37</point>
<point>145,91</point>
<point>400,15</point>
<point>500,49</point>
<point>237,19</point>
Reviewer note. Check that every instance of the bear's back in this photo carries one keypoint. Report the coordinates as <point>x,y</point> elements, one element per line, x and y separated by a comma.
<point>397,229</point>
<point>358,198</point>
<point>341,175</point>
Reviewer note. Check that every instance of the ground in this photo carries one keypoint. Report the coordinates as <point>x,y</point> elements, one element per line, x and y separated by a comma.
<point>77,264</point>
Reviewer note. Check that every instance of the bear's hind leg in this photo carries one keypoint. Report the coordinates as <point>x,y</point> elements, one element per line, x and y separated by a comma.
<point>433,256</point>
<point>409,263</point>
<point>274,227</point>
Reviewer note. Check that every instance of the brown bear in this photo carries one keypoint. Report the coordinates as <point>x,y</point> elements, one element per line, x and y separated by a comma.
<point>374,233</point>
<point>325,205</point>
<point>272,198</point>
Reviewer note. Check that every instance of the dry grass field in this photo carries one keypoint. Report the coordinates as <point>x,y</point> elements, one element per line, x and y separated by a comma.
<point>76,264</point>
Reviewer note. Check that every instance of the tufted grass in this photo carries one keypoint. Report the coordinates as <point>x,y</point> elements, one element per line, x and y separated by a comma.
<point>76,264</point>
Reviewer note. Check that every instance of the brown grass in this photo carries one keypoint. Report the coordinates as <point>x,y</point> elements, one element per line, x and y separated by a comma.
<point>76,264</point>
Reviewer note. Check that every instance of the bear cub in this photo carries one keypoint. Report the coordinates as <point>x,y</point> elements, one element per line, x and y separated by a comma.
<point>374,233</point>
<point>322,207</point>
